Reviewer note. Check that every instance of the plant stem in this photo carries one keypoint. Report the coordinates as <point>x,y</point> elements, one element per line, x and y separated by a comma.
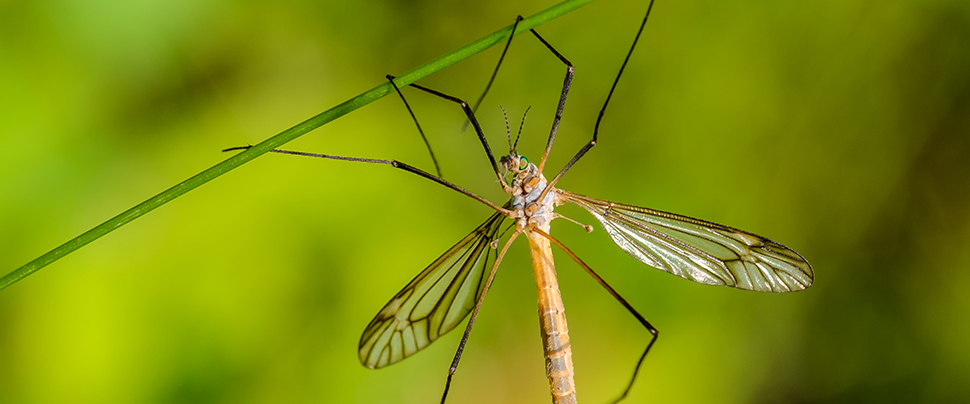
<point>286,136</point>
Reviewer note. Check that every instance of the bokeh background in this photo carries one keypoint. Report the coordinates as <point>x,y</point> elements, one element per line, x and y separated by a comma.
<point>839,128</point>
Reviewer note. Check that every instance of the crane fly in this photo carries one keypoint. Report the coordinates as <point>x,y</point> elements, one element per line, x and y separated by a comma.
<point>454,286</point>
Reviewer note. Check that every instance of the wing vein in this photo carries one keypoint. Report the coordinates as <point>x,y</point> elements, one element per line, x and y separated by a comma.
<point>698,250</point>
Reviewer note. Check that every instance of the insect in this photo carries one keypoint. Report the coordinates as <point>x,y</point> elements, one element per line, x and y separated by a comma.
<point>455,285</point>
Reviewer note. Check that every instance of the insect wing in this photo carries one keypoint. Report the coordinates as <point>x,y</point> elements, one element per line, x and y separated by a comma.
<point>434,302</point>
<point>699,250</point>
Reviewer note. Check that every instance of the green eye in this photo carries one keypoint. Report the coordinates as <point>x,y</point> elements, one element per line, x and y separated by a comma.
<point>523,163</point>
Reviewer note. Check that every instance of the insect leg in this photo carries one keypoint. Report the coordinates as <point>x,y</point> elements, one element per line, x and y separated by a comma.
<point>602,110</point>
<point>478,306</point>
<point>646,324</point>
<point>395,164</point>
<point>437,168</point>
<point>478,128</point>
<point>494,73</point>
<point>562,98</point>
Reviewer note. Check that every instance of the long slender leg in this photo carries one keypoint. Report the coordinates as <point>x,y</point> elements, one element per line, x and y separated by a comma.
<point>478,128</point>
<point>646,324</point>
<point>437,168</point>
<point>494,73</point>
<point>395,164</point>
<point>567,82</point>
<point>478,306</point>
<point>602,110</point>
<point>562,99</point>
<point>470,113</point>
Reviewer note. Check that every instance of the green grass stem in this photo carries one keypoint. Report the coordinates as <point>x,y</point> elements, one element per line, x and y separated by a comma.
<point>283,137</point>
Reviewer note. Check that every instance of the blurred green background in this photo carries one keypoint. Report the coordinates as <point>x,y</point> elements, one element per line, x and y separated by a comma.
<point>839,128</point>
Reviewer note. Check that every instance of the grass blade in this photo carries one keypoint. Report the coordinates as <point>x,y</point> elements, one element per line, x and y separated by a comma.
<point>284,137</point>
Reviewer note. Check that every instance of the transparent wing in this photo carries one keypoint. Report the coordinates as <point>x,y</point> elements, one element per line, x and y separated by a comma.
<point>434,302</point>
<point>699,250</point>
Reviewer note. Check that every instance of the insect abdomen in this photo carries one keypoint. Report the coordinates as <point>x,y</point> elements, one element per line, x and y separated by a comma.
<point>552,323</point>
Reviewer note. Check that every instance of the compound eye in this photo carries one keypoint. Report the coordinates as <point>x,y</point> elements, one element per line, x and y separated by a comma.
<point>523,163</point>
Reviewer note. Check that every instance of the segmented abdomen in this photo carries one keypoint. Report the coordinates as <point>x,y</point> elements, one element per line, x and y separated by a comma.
<point>552,323</point>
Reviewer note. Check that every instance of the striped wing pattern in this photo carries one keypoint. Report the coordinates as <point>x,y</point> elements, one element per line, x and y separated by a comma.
<point>434,302</point>
<point>699,250</point>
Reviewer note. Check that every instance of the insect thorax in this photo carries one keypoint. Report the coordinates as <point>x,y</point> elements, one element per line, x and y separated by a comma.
<point>526,199</point>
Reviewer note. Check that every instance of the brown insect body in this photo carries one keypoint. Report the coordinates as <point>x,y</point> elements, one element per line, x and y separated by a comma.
<point>527,187</point>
